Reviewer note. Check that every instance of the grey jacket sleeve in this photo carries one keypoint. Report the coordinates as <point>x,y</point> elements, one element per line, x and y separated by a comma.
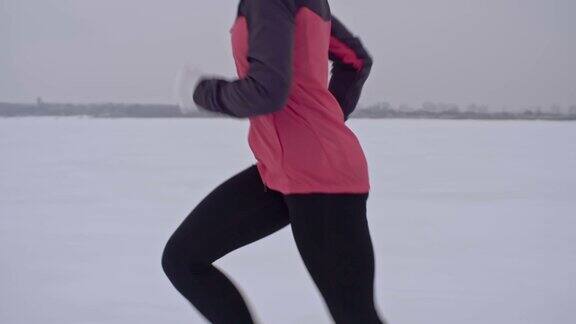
<point>350,67</point>
<point>266,86</point>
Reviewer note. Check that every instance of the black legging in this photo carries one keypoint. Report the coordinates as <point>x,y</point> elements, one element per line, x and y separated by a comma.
<point>330,231</point>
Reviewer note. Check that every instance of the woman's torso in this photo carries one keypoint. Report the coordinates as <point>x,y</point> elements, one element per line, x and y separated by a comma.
<point>306,146</point>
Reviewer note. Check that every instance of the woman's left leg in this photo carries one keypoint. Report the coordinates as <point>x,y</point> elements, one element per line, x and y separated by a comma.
<point>235,213</point>
<point>332,236</point>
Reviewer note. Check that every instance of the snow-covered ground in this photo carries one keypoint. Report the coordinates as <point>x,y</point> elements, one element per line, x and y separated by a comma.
<point>472,221</point>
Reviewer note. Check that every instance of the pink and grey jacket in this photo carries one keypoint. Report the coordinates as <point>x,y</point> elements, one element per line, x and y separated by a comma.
<point>297,116</point>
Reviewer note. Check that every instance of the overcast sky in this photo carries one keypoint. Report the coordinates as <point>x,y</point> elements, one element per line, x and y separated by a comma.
<point>497,52</point>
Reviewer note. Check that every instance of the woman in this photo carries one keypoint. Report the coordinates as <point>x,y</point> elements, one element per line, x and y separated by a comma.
<point>310,173</point>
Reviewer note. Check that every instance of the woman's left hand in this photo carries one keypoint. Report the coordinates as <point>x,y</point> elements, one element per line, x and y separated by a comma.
<point>186,83</point>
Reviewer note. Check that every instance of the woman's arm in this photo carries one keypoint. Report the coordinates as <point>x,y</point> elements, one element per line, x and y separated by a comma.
<point>350,68</point>
<point>266,86</point>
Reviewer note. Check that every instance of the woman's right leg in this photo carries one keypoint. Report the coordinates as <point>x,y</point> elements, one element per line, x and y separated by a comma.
<point>234,214</point>
<point>332,235</point>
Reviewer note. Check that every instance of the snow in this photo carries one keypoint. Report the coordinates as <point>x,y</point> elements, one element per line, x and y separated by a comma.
<point>472,222</point>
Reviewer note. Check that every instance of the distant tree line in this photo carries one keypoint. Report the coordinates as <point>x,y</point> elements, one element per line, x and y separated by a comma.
<point>431,110</point>
<point>427,110</point>
<point>98,110</point>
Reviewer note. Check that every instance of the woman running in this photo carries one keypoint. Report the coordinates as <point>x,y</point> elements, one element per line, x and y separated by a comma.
<point>311,171</point>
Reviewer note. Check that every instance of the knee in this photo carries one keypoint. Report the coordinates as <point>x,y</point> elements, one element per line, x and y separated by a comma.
<point>170,258</point>
<point>355,309</point>
<point>183,257</point>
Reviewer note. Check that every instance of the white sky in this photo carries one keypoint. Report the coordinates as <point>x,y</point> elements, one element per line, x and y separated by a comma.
<point>497,52</point>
